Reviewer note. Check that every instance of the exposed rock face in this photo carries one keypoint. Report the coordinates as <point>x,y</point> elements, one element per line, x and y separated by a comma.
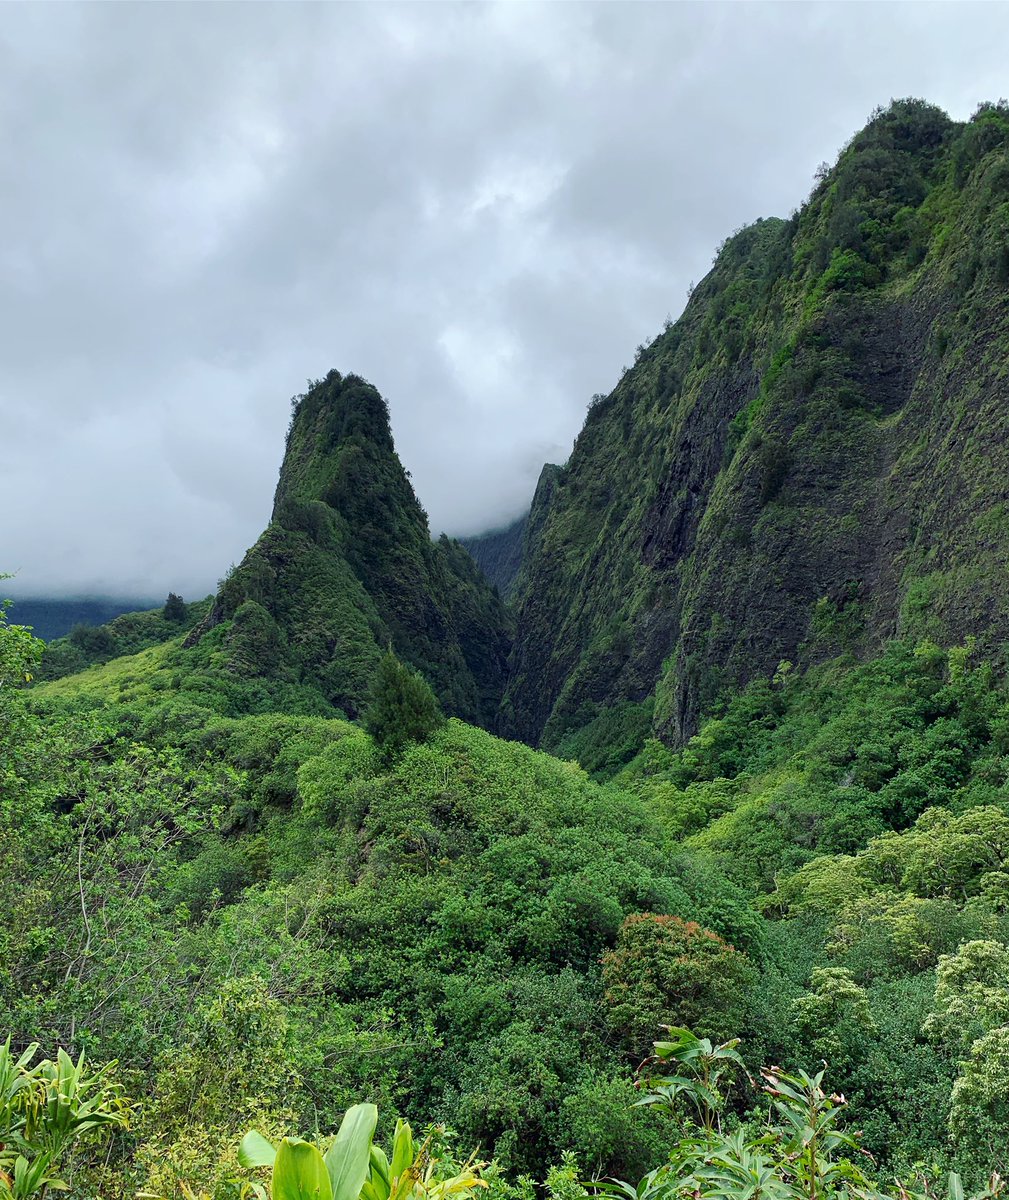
<point>814,459</point>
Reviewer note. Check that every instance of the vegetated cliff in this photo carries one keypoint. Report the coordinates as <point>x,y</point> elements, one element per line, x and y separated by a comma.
<point>347,567</point>
<point>502,554</point>
<point>498,553</point>
<point>813,459</point>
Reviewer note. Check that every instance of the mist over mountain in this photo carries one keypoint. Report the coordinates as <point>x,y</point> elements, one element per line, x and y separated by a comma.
<point>487,239</point>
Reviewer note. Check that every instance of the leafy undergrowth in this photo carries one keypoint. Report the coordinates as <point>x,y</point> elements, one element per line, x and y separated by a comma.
<point>272,917</point>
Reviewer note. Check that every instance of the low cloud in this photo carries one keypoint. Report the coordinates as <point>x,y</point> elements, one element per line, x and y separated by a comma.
<point>483,209</point>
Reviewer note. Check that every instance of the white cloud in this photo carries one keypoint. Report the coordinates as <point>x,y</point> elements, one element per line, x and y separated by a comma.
<point>481,208</point>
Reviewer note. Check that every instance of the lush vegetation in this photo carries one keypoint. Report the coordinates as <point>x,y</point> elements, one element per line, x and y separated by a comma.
<point>261,880</point>
<point>264,919</point>
<point>809,459</point>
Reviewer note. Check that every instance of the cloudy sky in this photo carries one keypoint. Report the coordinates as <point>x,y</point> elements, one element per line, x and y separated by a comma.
<point>481,208</point>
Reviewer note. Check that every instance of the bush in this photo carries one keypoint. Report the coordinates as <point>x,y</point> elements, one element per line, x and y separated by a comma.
<point>403,708</point>
<point>667,971</point>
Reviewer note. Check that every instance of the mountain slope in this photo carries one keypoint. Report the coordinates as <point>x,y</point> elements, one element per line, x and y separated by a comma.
<point>498,553</point>
<point>347,567</point>
<point>813,459</point>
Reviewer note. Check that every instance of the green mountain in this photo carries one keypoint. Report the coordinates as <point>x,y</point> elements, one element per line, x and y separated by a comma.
<point>347,568</point>
<point>784,529</point>
<point>812,459</point>
<point>498,553</point>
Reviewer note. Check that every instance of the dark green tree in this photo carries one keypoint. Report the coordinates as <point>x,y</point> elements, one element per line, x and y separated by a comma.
<point>96,641</point>
<point>175,608</point>
<point>402,708</point>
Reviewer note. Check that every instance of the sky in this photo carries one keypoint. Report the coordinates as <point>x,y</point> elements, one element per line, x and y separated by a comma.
<point>481,208</point>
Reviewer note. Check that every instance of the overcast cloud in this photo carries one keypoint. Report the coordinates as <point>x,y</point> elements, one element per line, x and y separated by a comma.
<point>482,209</point>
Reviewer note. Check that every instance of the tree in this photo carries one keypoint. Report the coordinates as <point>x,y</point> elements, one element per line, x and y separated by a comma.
<point>971,994</point>
<point>402,709</point>
<point>20,652</point>
<point>667,971</point>
<point>833,1017</point>
<point>175,608</point>
<point>971,1015</point>
<point>234,1072</point>
<point>979,1102</point>
<point>94,641</point>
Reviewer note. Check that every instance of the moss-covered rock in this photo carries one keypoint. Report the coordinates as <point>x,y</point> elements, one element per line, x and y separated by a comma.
<point>347,568</point>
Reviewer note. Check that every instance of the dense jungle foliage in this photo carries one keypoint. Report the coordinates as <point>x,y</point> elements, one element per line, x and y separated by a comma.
<point>266,918</point>
<point>274,896</point>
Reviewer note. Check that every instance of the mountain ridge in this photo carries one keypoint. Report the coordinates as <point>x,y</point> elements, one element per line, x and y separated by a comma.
<point>810,461</point>
<point>748,492</point>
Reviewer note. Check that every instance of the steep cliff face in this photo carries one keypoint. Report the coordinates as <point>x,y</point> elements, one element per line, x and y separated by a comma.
<point>347,567</point>
<point>813,459</point>
<point>498,553</point>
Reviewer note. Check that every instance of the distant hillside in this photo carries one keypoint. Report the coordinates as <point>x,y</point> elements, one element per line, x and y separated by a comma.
<point>89,645</point>
<point>52,618</point>
<point>498,553</point>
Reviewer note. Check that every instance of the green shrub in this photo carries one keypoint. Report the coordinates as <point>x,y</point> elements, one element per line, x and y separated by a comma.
<point>402,708</point>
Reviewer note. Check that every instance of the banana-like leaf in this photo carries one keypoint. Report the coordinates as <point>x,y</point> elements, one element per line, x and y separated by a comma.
<point>299,1172</point>
<point>349,1157</point>
<point>379,1163</point>
<point>256,1151</point>
<point>402,1150</point>
<point>378,1185</point>
<point>459,1185</point>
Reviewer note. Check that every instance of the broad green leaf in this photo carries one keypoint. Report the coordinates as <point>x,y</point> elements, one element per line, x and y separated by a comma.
<point>299,1172</point>
<point>377,1186</point>
<point>349,1157</point>
<point>402,1150</point>
<point>256,1151</point>
<point>379,1163</point>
